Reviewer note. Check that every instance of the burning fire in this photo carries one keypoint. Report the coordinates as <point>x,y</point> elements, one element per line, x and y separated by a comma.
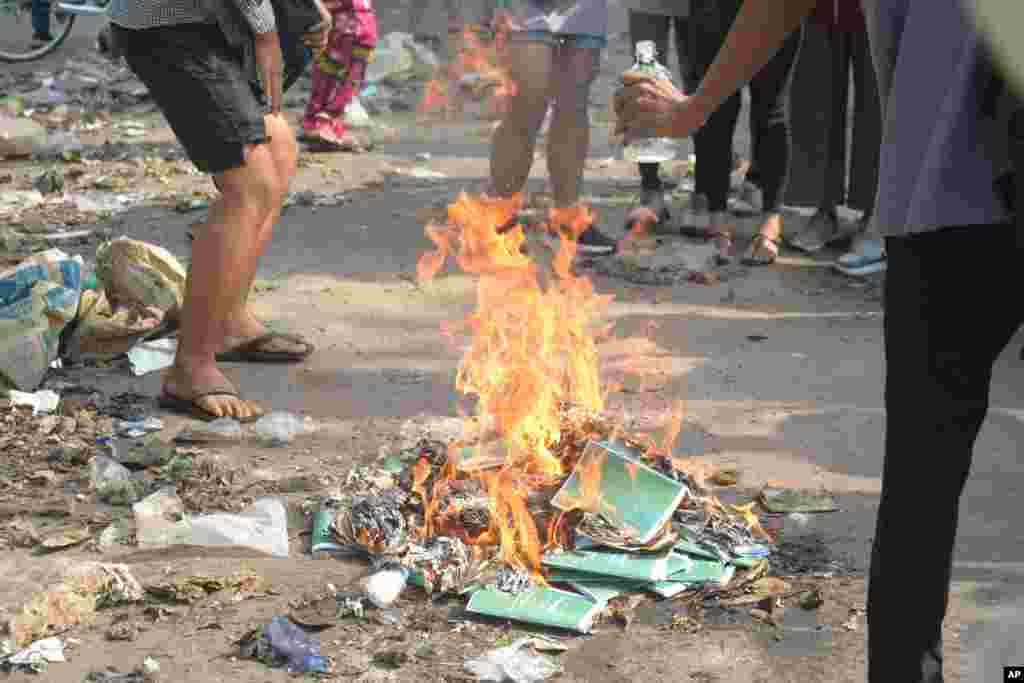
<point>532,352</point>
<point>474,55</point>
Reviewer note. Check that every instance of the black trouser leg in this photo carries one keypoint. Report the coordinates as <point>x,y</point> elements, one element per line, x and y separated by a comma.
<point>939,352</point>
<point>834,186</point>
<point>867,128</point>
<point>713,147</point>
<point>769,115</point>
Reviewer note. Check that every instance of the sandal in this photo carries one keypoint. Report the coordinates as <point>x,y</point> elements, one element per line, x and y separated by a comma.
<point>254,351</point>
<point>721,232</point>
<point>763,251</point>
<point>190,406</point>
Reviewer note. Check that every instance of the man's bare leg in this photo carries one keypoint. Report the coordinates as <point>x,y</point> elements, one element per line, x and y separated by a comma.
<point>242,325</point>
<point>514,141</point>
<point>569,137</point>
<point>224,257</point>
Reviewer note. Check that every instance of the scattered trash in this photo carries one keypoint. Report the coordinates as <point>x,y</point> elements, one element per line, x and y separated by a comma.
<point>104,470</point>
<point>765,588</point>
<point>811,599</point>
<point>100,331</point>
<point>356,115</point>
<point>121,532</point>
<point>518,663</point>
<point>103,201</point>
<point>262,526</point>
<point>134,272</point>
<point>192,589</point>
<point>792,501</point>
<point>221,430</point>
<point>385,585</point>
<point>144,674</point>
<point>283,643</point>
<point>279,428</point>
<point>38,298</point>
<point>17,200</point>
<point>85,588</point>
<point>133,429</point>
<point>60,146</point>
<point>41,402</point>
<point>19,137</point>
<point>374,524</point>
<point>34,658</point>
<point>160,520</point>
<point>50,181</point>
<point>151,356</point>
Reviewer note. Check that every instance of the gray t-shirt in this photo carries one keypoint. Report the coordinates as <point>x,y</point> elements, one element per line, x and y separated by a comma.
<point>937,169</point>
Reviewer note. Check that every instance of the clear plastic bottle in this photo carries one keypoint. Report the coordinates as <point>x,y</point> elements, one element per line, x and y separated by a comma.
<point>646,149</point>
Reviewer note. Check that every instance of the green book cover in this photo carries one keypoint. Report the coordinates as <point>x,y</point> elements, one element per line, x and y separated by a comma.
<point>629,494</point>
<point>696,570</point>
<point>668,589</point>
<point>688,547</point>
<point>540,605</point>
<point>616,564</point>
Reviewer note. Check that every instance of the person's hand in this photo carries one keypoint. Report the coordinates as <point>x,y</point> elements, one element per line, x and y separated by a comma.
<point>316,38</point>
<point>650,104</point>
<point>271,66</point>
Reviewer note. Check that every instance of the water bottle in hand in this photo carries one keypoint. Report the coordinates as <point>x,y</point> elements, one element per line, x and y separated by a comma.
<point>647,149</point>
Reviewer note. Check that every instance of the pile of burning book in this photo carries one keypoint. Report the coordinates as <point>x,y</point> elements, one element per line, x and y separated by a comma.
<point>548,550</point>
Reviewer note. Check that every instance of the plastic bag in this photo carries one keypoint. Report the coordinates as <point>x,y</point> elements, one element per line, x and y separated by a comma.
<point>278,428</point>
<point>517,663</point>
<point>160,520</point>
<point>134,272</point>
<point>263,526</point>
<point>38,298</point>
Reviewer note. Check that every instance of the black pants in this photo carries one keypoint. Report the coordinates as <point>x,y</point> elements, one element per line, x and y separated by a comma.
<point>940,346</point>
<point>851,51</point>
<point>769,115</point>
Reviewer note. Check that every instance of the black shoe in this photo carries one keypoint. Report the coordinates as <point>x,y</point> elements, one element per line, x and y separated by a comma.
<point>595,242</point>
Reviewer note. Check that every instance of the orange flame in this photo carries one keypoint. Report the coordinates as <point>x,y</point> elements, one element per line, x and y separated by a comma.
<point>531,351</point>
<point>474,55</point>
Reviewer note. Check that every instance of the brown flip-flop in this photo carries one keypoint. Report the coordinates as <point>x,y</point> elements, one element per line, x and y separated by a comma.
<point>191,407</point>
<point>252,351</point>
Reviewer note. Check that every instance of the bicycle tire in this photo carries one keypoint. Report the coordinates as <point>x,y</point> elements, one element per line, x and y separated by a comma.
<point>39,53</point>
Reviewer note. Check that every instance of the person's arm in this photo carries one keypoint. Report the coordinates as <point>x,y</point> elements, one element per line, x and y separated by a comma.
<point>760,29</point>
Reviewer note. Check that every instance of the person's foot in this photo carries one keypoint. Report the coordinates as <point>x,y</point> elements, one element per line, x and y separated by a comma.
<point>764,248</point>
<point>207,392</point>
<point>593,242</point>
<point>822,229</point>
<point>866,258</point>
<point>247,328</point>
<point>721,230</point>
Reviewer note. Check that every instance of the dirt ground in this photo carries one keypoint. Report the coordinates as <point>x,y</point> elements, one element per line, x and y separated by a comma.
<point>780,370</point>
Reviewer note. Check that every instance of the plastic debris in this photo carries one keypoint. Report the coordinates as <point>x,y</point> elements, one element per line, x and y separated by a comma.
<point>61,146</point>
<point>192,589</point>
<point>356,114</point>
<point>792,501</point>
<point>279,428</point>
<point>221,430</point>
<point>160,520</point>
<point>385,585</point>
<point>134,272</point>
<point>151,356</point>
<point>133,429</point>
<point>38,298</point>
<point>283,643</point>
<point>262,526</point>
<point>41,401</point>
<point>104,470</point>
<point>34,658</point>
<point>518,663</point>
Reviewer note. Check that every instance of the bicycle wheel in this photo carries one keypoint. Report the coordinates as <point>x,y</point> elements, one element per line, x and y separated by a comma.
<point>16,44</point>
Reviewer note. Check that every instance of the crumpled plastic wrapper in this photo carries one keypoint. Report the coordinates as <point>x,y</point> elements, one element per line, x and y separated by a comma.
<point>373,523</point>
<point>446,564</point>
<point>518,662</point>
